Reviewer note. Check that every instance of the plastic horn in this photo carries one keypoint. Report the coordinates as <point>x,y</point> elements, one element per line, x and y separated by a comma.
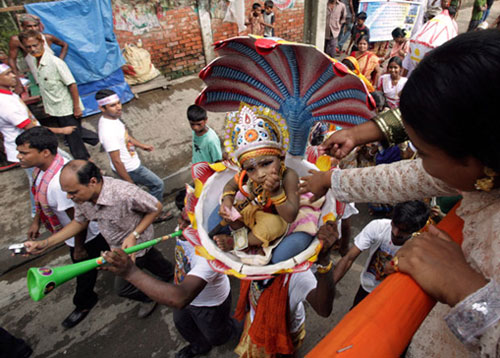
<point>42,280</point>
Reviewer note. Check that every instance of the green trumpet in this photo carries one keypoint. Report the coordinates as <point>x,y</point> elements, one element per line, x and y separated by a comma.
<point>42,280</point>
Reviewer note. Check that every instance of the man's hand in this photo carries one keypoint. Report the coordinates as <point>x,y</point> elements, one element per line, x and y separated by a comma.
<point>147,147</point>
<point>34,230</point>
<point>77,111</point>
<point>67,130</point>
<point>129,242</point>
<point>118,262</point>
<point>318,184</point>
<point>36,247</point>
<point>80,253</point>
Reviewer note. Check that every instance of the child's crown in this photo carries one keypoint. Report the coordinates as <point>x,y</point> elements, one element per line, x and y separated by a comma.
<point>255,130</point>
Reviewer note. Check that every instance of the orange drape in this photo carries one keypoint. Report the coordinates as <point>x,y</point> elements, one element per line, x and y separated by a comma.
<point>383,323</point>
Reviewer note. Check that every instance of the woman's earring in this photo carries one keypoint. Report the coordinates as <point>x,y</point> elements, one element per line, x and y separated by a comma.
<point>486,184</point>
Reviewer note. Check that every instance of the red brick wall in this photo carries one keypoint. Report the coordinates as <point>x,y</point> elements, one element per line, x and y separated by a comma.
<point>176,48</point>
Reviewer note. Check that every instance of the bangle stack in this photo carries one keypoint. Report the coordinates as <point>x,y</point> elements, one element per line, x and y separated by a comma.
<point>324,269</point>
<point>391,125</point>
<point>279,199</point>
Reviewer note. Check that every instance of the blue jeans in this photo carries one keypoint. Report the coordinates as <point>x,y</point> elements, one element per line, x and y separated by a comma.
<point>144,176</point>
<point>486,13</point>
<point>345,33</point>
<point>290,246</point>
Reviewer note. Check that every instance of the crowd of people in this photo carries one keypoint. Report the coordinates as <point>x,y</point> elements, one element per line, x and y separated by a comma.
<point>426,140</point>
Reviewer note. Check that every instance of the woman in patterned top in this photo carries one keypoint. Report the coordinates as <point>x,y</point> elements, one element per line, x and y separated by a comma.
<point>449,106</point>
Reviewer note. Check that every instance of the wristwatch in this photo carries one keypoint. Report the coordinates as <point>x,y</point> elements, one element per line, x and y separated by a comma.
<point>136,234</point>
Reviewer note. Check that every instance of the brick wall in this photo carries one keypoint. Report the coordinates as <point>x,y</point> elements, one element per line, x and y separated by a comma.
<point>176,46</point>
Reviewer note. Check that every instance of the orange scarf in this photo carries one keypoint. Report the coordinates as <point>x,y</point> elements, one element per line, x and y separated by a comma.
<point>270,324</point>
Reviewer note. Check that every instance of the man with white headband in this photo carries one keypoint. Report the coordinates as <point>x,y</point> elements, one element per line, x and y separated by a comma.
<point>121,148</point>
<point>59,93</point>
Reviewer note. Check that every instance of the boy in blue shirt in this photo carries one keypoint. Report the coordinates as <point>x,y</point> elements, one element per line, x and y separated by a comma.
<point>206,143</point>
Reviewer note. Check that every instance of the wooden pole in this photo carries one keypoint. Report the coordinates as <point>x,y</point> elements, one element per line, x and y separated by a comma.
<point>12,8</point>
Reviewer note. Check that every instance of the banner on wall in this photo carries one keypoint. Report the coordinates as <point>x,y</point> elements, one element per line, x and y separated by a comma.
<point>384,16</point>
<point>284,4</point>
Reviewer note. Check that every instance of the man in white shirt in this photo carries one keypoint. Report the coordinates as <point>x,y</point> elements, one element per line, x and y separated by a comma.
<point>121,148</point>
<point>15,118</point>
<point>59,92</point>
<point>37,147</point>
<point>201,297</point>
<point>383,238</point>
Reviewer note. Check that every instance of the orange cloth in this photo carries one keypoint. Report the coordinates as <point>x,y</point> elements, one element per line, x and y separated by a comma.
<point>383,323</point>
<point>355,63</point>
<point>368,61</point>
<point>269,328</point>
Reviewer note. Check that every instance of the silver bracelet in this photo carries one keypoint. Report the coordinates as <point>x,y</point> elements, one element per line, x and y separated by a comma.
<point>475,314</point>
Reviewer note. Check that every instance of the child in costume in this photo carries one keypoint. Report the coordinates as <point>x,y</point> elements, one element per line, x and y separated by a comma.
<point>261,200</point>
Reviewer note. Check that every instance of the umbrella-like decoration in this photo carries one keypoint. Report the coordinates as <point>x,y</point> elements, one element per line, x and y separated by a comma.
<point>304,86</point>
<point>298,81</point>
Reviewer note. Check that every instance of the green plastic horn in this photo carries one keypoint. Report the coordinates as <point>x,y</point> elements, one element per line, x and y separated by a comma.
<point>42,280</point>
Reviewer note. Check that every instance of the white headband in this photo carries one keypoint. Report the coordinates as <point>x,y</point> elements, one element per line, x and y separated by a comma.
<point>3,68</point>
<point>107,100</point>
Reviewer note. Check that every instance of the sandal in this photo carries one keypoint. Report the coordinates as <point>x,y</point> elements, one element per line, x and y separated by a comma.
<point>164,216</point>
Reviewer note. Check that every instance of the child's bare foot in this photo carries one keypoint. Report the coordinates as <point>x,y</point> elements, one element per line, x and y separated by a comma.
<point>224,242</point>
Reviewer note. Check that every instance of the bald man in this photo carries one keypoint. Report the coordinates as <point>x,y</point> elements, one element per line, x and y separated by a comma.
<point>124,213</point>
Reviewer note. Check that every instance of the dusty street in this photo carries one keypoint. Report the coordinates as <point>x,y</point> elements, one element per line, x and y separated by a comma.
<point>112,329</point>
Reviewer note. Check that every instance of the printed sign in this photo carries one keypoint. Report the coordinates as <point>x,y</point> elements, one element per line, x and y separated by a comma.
<point>384,16</point>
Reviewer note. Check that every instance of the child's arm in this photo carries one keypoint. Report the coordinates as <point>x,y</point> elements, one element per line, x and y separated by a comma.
<point>228,194</point>
<point>285,197</point>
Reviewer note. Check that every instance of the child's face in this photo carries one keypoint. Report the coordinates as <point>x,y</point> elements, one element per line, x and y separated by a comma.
<point>200,127</point>
<point>112,110</point>
<point>399,40</point>
<point>257,11</point>
<point>268,9</point>
<point>360,22</point>
<point>394,69</point>
<point>260,167</point>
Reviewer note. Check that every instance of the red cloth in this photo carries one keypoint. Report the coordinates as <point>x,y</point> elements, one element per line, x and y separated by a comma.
<point>47,215</point>
<point>270,325</point>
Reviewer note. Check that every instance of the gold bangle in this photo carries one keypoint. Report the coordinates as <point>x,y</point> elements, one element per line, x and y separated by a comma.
<point>228,193</point>
<point>391,125</point>
<point>279,199</point>
<point>324,269</point>
<point>395,263</point>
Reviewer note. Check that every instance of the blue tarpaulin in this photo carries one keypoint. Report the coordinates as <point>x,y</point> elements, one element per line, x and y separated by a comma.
<point>94,56</point>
